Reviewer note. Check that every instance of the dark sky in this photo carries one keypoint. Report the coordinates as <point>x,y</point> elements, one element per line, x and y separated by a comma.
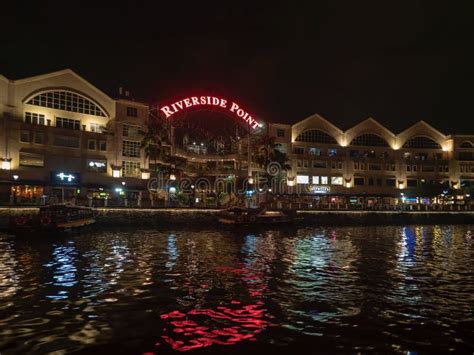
<point>397,61</point>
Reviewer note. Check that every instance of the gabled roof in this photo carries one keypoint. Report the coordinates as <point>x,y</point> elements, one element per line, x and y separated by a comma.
<point>374,121</point>
<point>316,117</point>
<point>425,125</point>
<point>59,73</point>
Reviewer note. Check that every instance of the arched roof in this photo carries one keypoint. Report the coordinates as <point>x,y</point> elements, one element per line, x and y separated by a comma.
<point>421,129</point>
<point>317,122</point>
<point>369,128</point>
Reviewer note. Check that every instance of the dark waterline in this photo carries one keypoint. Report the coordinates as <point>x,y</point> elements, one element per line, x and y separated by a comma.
<point>317,290</point>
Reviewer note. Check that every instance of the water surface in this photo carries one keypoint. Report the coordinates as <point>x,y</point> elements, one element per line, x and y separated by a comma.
<point>317,290</point>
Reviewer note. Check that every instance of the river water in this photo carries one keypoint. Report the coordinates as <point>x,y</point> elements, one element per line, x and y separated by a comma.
<point>312,290</point>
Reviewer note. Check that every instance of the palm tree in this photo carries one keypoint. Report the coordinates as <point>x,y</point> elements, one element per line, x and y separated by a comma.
<point>153,140</point>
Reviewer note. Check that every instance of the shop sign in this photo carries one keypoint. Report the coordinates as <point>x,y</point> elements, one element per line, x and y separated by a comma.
<point>65,178</point>
<point>211,102</point>
<point>317,189</point>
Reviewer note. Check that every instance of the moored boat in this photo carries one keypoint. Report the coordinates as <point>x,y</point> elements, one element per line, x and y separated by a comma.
<point>52,219</point>
<point>249,216</point>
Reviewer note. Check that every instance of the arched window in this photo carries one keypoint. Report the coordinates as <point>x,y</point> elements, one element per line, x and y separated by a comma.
<point>315,136</point>
<point>421,142</point>
<point>467,144</point>
<point>67,101</point>
<point>369,140</point>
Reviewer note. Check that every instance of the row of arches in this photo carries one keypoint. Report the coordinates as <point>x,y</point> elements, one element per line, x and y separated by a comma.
<point>370,133</point>
<point>368,140</point>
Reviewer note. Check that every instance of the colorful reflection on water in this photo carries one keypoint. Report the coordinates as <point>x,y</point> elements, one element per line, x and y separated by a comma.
<point>364,289</point>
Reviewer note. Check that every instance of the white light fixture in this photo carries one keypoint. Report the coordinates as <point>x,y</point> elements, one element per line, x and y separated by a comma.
<point>145,175</point>
<point>6,164</point>
<point>192,186</point>
<point>250,180</point>
<point>290,182</point>
<point>172,177</point>
<point>348,184</point>
<point>123,183</point>
<point>15,177</point>
<point>116,171</point>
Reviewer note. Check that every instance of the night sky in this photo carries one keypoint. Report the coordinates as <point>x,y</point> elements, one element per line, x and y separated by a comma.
<point>397,61</point>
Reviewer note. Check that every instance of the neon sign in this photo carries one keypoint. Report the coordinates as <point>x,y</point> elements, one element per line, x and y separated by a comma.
<point>197,101</point>
<point>97,164</point>
<point>63,176</point>
<point>320,189</point>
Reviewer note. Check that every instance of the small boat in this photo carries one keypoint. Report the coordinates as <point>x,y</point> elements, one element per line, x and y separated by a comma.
<point>250,216</point>
<point>52,219</point>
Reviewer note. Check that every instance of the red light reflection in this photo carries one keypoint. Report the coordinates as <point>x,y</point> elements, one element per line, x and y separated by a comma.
<point>223,325</point>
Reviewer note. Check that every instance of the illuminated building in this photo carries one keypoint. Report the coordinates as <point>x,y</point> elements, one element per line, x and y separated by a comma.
<point>58,125</point>
<point>62,137</point>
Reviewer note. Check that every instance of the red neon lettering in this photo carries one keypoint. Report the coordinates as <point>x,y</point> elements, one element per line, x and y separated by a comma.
<point>166,110</point>
<point>211,101</point>
<point>234,107</point>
